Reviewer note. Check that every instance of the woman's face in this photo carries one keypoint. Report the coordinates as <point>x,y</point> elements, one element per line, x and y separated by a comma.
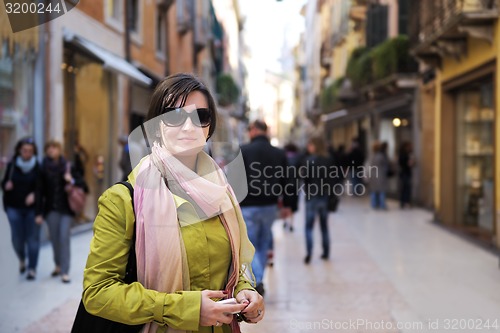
<point>53,152</point>
<point>185,139</point>
<point>27,151</point>
<point>311,148</point>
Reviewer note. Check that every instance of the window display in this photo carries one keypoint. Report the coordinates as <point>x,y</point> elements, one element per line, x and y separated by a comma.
<point>475,155</point>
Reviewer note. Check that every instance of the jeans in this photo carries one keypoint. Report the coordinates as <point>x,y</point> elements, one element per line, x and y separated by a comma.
<point>317,205</point>
<point>25,234</point>
<point>60,232</point>
<point>378,200</point>
<point>259,220</point>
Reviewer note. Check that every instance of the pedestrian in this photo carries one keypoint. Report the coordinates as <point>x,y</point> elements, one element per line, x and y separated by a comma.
<point>19,188</point>
<point>318,185</point>
<point>125,162</point>
<point>191,243</point>
<point>293,157</point>
<point>266,169</point>
<point>379,166</point>
<point>356,160</point>
<point>406,162</point>
<point>341,162</point>
<point>80,158</point>
<point>56,177</point>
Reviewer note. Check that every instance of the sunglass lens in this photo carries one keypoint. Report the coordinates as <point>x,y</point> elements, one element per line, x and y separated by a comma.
<point>203,117</point>
<point>175,117</point>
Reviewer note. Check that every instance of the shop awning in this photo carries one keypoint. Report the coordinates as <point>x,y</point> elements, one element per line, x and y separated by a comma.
<point>341,117</point>
<point>109,60</point>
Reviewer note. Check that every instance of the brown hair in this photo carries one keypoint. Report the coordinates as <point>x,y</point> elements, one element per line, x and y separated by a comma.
<point>179,86</point>
<point>52,143</point>
<point>319,143</point>
<point>25,141</point>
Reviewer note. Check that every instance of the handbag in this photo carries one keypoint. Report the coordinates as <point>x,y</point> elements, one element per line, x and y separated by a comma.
<point>333,202</point>
<point>88,323</point>
<point>76,196</point>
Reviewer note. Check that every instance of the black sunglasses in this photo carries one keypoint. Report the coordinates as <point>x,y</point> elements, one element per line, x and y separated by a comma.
<point>175,117</point>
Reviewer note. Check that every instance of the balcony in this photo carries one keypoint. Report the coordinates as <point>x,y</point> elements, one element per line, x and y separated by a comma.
<point>440,28</point>
<point>185,12</point>
<point>201,33</point>
<point>357,14</point>
<point>326,54</point>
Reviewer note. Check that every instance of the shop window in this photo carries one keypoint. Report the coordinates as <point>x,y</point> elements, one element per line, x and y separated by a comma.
<point>16,99</point>
<point>475,142</point>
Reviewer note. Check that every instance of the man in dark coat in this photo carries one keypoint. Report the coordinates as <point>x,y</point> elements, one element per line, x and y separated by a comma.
<point>266,169</point>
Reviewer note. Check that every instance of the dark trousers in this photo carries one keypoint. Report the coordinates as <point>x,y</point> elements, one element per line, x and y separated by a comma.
<point>25,234</point>
<point>405,197</point>
<point>317,205</point>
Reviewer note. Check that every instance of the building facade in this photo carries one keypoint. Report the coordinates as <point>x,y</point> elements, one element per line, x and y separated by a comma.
<point>21,90</point>
<point>457,43</point>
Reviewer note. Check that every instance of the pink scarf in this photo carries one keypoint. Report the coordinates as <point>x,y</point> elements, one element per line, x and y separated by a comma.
<point>161,259</point>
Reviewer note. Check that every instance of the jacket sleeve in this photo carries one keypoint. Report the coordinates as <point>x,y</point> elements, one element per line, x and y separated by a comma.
<point>79,179</point>
<point>39,187</point>
<point>242,284</point>
<point>106,295</point>
<point>7,175</point>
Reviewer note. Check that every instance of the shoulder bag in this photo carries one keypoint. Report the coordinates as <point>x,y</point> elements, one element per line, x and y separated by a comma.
<point>88,323</point>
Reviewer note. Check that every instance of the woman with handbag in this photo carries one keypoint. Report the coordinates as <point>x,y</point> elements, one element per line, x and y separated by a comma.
<point>57,178</point>
<point>19,186</point>
<point>191,243</point>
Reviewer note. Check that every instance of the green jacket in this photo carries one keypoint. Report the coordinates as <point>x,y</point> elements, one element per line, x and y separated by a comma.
<point>208,254</point>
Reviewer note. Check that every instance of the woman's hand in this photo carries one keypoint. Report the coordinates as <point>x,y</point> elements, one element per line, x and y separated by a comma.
<point>30,199</point>
<point>9,185</point>
<point>39,219</point>
<point>254,312</point>
<point>216,314</point>
<point>68,178</point>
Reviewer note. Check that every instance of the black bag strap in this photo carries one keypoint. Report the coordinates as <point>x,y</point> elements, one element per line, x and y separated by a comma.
<point>86,322</point>
<point>131,269</point>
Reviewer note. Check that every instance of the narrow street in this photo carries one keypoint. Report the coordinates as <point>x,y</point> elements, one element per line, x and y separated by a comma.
<point>390,271</point>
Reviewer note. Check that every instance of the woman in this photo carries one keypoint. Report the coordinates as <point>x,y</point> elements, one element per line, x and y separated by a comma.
<point>293,158</point>
<point>19,186</point>
<point>378,179</point>
<point>318,186</point>
<point>56,176</point>
<point>191,242</point>
<point>406,162</point>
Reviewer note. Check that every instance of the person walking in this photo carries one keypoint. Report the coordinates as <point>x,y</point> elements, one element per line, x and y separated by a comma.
<point>125,163</point>
<point>356,160</point>
<point>191,244</point>
<point>56,176</point>
<point>266,169</point>
<point>293,157</point>
<point>19,186</point>
<point>378,182</point>
<point>406,162</point>
<point>318,186</point>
